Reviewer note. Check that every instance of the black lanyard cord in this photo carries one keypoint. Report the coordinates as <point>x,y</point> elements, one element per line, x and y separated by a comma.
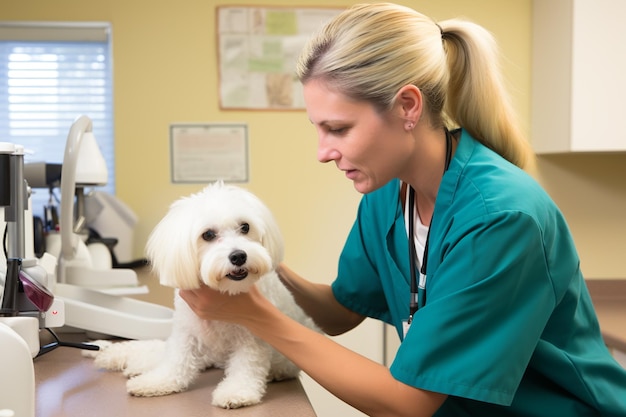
<point>414,303</point>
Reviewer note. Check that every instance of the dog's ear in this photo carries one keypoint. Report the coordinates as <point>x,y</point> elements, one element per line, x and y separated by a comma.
<point>272,238</point>
<point>172,248</point>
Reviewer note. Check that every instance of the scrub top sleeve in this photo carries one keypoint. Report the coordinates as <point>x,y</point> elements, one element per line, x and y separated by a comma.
<point>489,300</point>
<point>358,285</point>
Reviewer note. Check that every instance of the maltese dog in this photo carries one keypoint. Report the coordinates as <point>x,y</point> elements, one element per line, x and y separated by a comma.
<point>226,238</point>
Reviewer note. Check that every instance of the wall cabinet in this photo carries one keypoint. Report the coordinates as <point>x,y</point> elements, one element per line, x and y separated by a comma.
<point>578,76</point>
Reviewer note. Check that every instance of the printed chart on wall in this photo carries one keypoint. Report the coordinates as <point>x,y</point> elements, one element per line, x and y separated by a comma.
<point>202,153</point>
<point>258,48</point>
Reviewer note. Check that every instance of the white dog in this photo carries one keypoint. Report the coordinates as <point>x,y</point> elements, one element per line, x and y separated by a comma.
<point>226,238</point>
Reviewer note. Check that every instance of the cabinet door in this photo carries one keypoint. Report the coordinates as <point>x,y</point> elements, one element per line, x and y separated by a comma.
<point>578,82</point>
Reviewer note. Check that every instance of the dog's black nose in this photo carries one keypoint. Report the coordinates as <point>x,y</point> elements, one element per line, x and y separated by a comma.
<point>238,257</point>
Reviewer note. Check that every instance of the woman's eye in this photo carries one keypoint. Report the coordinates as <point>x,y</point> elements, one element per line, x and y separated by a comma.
<point>209,235</point>
<point>245,228</point>
<point>338,130</point>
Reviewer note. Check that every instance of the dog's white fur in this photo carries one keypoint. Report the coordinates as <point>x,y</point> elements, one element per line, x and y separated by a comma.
<point>226,238</point>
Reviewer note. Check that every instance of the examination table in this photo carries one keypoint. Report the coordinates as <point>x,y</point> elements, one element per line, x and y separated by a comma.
<point>68,385</point>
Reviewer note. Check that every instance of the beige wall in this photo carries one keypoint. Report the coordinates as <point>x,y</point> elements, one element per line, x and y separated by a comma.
<point>165,71</point>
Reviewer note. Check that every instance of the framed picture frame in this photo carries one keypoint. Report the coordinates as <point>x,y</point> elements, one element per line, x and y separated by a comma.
<point>257,49</point>
<point>206,152</point>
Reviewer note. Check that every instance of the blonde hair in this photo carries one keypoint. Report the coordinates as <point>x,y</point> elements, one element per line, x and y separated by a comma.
<point>370,51</point>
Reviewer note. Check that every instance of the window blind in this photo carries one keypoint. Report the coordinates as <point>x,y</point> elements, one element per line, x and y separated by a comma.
<point>50,74</point>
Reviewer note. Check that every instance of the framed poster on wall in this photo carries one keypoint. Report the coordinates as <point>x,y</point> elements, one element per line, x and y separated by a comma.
<point>257,51</point>
<point>202,153</point>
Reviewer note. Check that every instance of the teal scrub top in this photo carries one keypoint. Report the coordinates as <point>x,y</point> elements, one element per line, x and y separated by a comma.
<point>508,328</point>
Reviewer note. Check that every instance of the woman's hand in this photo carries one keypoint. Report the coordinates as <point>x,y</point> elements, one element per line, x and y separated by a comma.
<point>210,304</point>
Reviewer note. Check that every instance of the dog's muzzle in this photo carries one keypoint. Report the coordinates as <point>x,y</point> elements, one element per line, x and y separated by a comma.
<point>238,258</point>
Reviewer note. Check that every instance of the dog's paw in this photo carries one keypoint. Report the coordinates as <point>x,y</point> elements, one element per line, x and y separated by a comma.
<point>228,395</point>
<point>133,357</point>
<point>133,369</point>
<point>154,384</point>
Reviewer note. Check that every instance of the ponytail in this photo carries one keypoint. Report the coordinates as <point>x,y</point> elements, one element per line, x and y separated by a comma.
<point>476,98</point>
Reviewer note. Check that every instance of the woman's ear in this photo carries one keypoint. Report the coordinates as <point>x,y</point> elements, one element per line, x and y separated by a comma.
<point>409,102</point>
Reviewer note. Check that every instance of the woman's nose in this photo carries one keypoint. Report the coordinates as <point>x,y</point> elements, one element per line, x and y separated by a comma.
<point>325,152</point>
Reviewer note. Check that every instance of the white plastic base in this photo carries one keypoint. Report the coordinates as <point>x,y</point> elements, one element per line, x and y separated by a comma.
<point>17,383</point>
<point>27,328</point>
<point>113,315</point>
<point>100,278</point>
<point>91,267</point>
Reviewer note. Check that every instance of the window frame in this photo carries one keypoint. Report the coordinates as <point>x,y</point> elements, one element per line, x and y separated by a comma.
<point>61,32</point>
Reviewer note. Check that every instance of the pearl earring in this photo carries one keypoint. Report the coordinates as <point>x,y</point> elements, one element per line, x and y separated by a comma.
<point>409,125</point>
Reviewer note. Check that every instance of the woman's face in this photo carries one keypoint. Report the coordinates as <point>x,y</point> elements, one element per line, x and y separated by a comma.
<point>370,147</point>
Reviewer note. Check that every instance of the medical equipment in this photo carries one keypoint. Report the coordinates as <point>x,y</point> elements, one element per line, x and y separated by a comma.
<point>19,336</point>
<point>110,219</point>
<point>83,166</point>
<point>32,296</point>
<point>86,291</point>
<point>24,291</point>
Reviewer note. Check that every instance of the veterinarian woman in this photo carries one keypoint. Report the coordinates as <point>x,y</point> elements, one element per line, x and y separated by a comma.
<point>499,322</point>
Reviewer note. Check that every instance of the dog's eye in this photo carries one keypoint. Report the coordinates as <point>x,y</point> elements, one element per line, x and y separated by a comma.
<point>245,228</point>
<point>209,235</point>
